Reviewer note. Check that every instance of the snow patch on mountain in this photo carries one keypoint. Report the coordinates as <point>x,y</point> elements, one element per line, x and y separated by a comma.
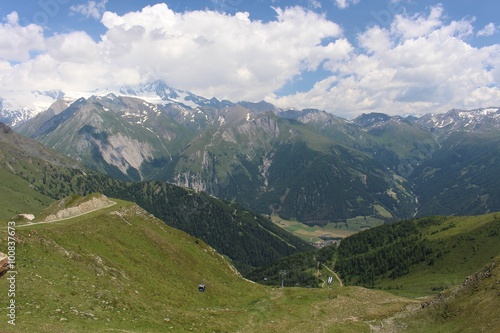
<point>159,92</point>
<point>465,120</point>
<point>19,106</point>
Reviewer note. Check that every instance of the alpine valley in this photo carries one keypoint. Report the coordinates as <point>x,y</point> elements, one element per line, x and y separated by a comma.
<point>95,263</point>
<point>307,165</point>
<point>124,248</point>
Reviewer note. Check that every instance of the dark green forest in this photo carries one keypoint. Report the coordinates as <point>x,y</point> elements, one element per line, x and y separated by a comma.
<point>388,250</point>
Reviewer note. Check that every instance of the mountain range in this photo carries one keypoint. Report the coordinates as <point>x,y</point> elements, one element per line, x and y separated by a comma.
<point>100,264</point>
<point>307,164</point>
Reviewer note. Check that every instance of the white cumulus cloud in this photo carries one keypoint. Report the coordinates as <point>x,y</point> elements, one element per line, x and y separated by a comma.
<point>210,53</point>
<point>419,63</point>
<point>229,56</point>
<point>489,30</point>
<point>93,9</point>
<point>16,42</point>
<point>342,4</point>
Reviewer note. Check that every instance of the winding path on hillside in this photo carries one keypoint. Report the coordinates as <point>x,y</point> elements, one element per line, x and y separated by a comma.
<point>334,274</point>
<point>65,218</point>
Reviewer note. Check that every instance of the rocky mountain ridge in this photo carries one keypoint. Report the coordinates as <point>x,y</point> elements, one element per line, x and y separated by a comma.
<point>468,120</point>
<point>304,164</point>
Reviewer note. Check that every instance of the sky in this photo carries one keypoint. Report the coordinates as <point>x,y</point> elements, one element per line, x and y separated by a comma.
<point>347,57</point>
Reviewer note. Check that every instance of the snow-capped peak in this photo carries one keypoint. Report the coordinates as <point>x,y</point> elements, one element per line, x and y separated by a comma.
<point>19,106</point>
<point>159,92</point>
<point>454,120</point>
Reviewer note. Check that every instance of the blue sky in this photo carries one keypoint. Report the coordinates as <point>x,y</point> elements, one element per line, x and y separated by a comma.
<point>343,56</point>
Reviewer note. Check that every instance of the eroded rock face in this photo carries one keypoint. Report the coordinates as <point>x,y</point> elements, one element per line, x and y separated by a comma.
<point>4,264</point>
<point>87,206</point>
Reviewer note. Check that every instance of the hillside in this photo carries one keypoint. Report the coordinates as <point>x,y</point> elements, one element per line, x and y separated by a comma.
<point>20,158</point>
<point>469,307</point>
<point>414,258</point>
<point>40,175</point>
<point>462,176</point>
<point>121,269</point>
<point>420,256</point>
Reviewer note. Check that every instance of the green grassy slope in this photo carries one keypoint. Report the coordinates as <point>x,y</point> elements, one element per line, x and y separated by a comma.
<point>411,258</point>
<point>470,307</point>
<point>19,159</point>
<point>17,196</point>
<point>121,270</point>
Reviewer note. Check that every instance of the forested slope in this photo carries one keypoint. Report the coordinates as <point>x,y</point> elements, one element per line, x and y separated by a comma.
<point>247,238</point>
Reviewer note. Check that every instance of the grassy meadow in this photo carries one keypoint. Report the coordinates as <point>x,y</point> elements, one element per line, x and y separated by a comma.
<point>312,233</point>
<point>120,269</point>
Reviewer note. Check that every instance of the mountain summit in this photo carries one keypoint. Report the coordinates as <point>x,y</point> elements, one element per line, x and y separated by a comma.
<point>161,93</point>
<point>17,107</point>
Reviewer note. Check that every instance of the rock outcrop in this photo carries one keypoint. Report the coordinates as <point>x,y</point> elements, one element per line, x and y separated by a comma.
<point>4,264</point>
<point>95,203</point>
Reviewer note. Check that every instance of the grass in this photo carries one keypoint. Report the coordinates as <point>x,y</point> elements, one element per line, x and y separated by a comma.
<point>120,269</point>
<point>18,197</point>
<point>382,211</point>
<point>470,307</point>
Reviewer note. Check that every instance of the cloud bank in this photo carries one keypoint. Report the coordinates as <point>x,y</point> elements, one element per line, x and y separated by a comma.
<point>418,64</point>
